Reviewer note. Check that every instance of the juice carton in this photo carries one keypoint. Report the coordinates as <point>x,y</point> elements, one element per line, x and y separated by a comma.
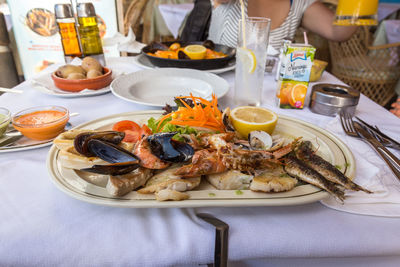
<point>294,74</point>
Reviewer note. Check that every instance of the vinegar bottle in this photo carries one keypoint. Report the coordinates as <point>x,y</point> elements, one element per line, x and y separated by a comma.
<point>89,32</point>
<point>66,26</point>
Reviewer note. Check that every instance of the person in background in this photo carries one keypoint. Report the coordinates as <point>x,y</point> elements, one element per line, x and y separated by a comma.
<point>286,16</point>
<point>396,107</point>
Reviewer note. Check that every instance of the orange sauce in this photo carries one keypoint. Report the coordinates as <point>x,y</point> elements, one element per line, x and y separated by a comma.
<point>41,125</point>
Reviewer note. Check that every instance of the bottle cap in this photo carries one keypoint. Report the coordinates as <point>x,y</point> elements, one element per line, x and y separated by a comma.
<point>85,10</point>
<point>63,11</point>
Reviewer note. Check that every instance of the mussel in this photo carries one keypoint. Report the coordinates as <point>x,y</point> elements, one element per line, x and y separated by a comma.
<point>155,46</point>
<point>110,152</point>
<point>114,169</point>
<point>81,140</point>
<point>182,55</point>
<point>165,148</point>
<point>260,140</point>
<point>122,160</point>
<point>209,44</point>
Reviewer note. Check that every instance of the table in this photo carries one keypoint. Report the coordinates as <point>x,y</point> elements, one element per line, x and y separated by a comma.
<point>41,226</point>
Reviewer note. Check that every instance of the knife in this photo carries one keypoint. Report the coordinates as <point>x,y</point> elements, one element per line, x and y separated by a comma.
<point>391,142</point>
<point>386,155</point>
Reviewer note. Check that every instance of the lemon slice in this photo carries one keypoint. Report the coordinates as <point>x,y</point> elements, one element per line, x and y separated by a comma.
<point>195,51</point>
<point>246,119</point>
<point>248,59</point>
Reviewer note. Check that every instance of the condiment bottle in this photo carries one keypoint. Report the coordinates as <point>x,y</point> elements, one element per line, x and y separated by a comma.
<point>89,32</point>
<point>67,28</point>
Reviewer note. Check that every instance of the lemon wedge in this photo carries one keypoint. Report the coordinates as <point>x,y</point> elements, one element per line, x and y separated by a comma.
<point>247,119</point>
<point>248,59</point>
<point>195,51</point>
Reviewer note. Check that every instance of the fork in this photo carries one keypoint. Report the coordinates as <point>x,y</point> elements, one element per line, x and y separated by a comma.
<point>380,136</point>
<point>349,128</point>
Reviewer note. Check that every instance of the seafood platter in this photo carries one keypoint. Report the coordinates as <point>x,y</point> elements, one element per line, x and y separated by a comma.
<point>196,55</point>
<point>199,155</point>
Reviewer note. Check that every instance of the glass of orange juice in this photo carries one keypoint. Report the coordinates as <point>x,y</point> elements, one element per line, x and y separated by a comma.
<point>356,12</point>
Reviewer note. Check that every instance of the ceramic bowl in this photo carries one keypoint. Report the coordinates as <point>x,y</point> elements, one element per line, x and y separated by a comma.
<point>5,117</point>
<point>41,123</point>
<point>79,85</point>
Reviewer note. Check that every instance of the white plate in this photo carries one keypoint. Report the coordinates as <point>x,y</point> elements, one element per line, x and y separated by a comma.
<point>330,147</point>
<point>159,86</point>
<point>145,63</point>
<point>52,90</point>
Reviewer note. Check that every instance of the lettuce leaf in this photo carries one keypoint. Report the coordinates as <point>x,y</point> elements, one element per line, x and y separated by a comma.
<point>168,127</point>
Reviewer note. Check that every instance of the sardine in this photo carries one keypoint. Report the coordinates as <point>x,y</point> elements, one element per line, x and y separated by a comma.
<point>305,153</point>
<point>298,169</point>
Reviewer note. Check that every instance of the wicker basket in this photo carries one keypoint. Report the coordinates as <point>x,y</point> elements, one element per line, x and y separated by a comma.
<point>373,70</point>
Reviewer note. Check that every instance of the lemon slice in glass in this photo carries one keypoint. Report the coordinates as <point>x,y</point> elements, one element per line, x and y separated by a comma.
<point>195,51</point>
<point>247,58</point>
<point>246,119</point>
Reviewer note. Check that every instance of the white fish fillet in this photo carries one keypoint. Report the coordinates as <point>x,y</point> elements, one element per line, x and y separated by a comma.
<point>230,180</point>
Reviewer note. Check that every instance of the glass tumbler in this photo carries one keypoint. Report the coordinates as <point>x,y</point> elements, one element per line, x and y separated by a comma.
<point>356,12</point>
<point>251,56</point>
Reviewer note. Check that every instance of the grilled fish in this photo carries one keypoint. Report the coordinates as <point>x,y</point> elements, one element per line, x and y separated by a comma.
<point>305,153</point>
<point>296,168</point>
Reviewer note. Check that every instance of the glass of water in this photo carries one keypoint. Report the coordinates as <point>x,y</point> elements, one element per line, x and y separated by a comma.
<point>251,56</point>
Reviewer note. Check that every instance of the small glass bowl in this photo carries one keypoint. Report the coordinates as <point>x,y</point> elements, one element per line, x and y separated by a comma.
<point>41,130</point>
<point>5,118</point>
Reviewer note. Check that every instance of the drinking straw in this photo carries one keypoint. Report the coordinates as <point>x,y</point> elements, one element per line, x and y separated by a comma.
<point>305,38</point>
<point>243,23</point>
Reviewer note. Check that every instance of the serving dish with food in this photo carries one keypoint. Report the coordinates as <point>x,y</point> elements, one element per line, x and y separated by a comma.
<point>89,75</point>
<point>199,154</point>
<point>33,128</point>
<point>195,55</point>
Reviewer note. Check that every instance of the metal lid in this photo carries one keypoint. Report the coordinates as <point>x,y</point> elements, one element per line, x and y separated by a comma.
<point>85,10</point>
<point>63,11</point>
<point>335,95</point>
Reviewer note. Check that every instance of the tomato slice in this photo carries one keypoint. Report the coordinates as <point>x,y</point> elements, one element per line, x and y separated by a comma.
<point>121,126</point>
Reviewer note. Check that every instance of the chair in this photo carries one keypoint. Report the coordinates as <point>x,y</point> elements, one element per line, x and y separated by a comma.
<point>373,70</point>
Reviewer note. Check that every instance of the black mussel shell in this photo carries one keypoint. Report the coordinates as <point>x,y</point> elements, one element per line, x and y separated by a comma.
<point>182,55</point>
<point>110,152</point>
<point>209,44</point>
<point>155,46</point>
<point>114,169</point>
<point>165,148</point>
<point>81,140</point>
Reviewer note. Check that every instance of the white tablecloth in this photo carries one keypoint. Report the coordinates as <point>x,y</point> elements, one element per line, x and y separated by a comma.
<point>41,226</point>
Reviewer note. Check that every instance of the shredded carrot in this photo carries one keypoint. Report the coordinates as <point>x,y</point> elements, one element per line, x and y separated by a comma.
<point>204,113</point>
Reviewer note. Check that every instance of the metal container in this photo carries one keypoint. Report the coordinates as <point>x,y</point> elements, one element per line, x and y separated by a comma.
<point>331,99</point>
<point>63,11</point>
<point>85,10</point>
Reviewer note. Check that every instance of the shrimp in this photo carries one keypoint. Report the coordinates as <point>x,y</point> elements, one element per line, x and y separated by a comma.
<point>147,158</point>
<point>203,162</point>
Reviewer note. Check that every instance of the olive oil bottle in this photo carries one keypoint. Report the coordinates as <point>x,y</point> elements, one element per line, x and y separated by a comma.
<point>67,28</point>
<point>89,32</point>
